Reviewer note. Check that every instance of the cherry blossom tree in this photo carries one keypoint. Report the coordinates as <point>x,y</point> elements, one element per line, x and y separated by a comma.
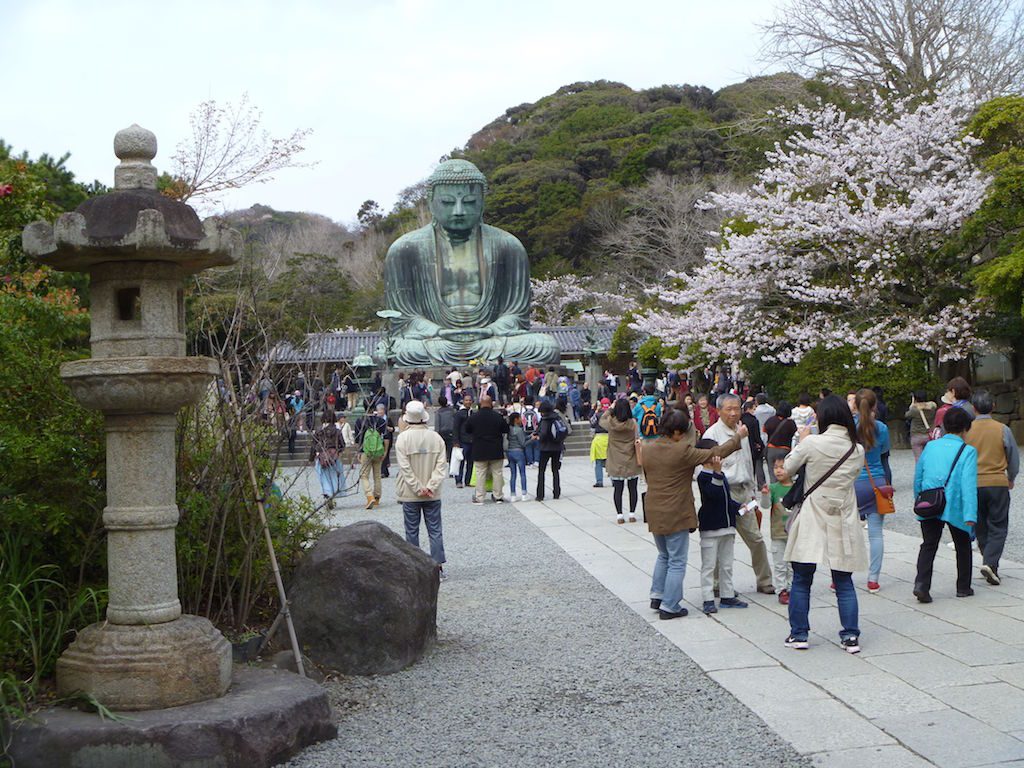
<point>842,240</point>
<point>556,301</point>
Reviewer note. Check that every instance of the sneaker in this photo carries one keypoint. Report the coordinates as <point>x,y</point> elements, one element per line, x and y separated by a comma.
<point>990,575</point>
<point>477,501</point>
<point>599,485</point>
<point>632,518</point>
<point>524,497</point>
<point>459,485</point>
<point>850,644</point>
<point>769,590</point>
<point>498,499</point>
<point>796,644</point>
<point>732,602</point>
<point>874,587</point>
<point>709,607</point>
<point>620,520</point>
<point>441,575</point>
<point>784,597</point>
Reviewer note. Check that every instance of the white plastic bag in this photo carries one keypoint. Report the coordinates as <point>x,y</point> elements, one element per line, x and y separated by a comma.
<point>453,466</point>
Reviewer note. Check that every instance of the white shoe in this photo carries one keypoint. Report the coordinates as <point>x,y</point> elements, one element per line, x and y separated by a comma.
<point>524,498</point>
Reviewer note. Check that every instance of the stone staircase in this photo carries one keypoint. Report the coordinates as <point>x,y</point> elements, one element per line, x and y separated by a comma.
<point>576,444</point>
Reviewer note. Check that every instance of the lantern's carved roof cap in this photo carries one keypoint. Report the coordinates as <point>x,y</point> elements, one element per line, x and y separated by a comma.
<point>111,217</point>
<point>134,222</point>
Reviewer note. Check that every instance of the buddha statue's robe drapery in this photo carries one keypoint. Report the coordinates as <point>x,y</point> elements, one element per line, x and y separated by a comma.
<point>453,315</point>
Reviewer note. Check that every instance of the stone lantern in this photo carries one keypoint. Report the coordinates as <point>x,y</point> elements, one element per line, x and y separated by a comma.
<point>138,246</point>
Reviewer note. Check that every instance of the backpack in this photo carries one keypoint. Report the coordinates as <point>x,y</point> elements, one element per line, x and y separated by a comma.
<point>530,421</point>
<point>558,430</point>
<point>649,419</point>
<point>373,443</point>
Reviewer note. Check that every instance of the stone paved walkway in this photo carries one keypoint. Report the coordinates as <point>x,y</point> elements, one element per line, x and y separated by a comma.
<point>939,684</point>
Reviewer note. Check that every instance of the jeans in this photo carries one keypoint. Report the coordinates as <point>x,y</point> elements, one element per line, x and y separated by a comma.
<point>532,452</point>
<point>931,534</point>
<point>599,471</point>
<point>869,511</point>
<point>993,521</point>
<point>800,601</point>
<point>669,569</point>
<point>555,457</point>
<point>517,464</point>
<point>431,513</point>
<point>465,473</point>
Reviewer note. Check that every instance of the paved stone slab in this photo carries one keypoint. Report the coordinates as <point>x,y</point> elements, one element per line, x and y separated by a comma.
<point>928,669</point>
<point>877,694</point>
<point>951,739</point>
<point>890,756</point>
<point>973,649</point>
<point>1000,705</point>
<point>957,663</point>
<point>829,726</point>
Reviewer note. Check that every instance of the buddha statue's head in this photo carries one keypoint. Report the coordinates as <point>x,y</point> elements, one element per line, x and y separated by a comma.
<point>456,197</point>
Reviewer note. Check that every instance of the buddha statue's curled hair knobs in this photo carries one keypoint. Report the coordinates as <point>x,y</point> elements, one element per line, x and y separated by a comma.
<point>456,172</point>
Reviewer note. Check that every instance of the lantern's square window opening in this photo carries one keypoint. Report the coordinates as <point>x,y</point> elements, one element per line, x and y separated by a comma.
<point>129,304</point>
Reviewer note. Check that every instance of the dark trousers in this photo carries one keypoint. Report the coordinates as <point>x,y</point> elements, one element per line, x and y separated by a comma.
<point>465,473</point>
<point>993,521</point>
<point>931,532</point>
<point>555,457</point>
<point>449,441</point>
<point>617,494</point>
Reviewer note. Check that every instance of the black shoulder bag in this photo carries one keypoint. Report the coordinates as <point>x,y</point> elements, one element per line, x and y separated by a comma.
<point>931,502</point>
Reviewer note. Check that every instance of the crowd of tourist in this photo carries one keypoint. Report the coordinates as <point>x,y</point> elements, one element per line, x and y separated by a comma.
<point>818,469</point>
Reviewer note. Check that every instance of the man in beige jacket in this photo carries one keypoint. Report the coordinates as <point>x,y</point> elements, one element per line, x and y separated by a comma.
<point>421,470</point>
<point>739,471</point>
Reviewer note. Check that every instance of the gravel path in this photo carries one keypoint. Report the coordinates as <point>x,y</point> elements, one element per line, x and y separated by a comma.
<point>535,665</point>
<point>903,521</point>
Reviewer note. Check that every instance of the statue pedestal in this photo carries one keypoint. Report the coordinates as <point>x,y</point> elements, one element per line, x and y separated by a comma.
<point>147,667</point>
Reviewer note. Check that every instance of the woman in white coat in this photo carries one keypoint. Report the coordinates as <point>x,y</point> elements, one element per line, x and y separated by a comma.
<point>827,532</point>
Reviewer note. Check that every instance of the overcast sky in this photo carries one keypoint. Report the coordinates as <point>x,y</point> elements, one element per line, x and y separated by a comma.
<point>387,86</point>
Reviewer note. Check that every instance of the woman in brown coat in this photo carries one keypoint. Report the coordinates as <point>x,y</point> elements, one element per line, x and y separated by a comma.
<point>622,466</point>
<point>668,462</point>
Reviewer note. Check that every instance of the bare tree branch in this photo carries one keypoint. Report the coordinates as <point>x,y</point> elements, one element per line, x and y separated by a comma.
<point>905,47</point>
<point>229,149</point>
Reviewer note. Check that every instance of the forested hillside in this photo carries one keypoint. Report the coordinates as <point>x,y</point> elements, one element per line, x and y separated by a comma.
<point>558,168</point>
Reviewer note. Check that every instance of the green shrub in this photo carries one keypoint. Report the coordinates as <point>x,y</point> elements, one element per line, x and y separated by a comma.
<point>842,371</point>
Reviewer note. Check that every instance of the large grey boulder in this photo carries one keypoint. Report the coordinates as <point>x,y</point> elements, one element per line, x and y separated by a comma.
<point>364,601</point>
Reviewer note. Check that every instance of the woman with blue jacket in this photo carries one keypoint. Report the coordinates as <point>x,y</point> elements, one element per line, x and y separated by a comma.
<point>949,452</point>
<point>873,434</point>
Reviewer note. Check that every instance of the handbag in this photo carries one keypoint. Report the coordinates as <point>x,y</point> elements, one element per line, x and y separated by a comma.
<point>797,491</point>
<point>931,502</point>
<point>883,494</point>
